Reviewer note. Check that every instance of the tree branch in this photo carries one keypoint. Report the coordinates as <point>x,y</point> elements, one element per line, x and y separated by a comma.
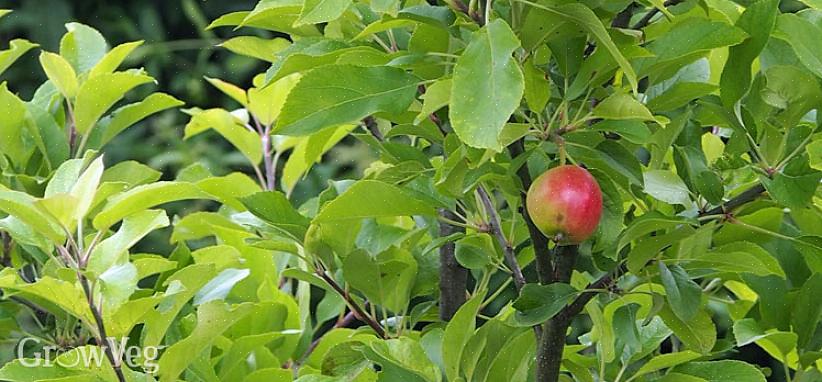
<point>743,198</point>
<point>608,280</point>
<point>645,20</point>
<point>453,277</point>
<point>552,341</point>
<point>496,230</point>
<point>358,311</point>
<point>538,240</point>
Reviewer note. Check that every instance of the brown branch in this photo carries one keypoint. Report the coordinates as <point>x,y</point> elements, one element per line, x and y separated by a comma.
<point>737,201</point>
<point>453,277</point>
<point>552,341</point>
<point>371,124</point>
<point>496,230</point>
<point>538,240</point>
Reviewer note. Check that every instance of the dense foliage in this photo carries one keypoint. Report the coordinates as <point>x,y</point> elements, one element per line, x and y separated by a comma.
<point>697,119</point>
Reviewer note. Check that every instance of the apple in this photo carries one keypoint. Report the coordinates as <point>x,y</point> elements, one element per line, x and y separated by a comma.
<point>565,203</point>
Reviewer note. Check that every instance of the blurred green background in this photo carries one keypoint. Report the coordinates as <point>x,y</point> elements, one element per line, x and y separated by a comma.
<point>178,52</point>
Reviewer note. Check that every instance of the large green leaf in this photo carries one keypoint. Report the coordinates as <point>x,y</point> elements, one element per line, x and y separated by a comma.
<point>144,197</point>
<point>698,333</point>
<point>385,279</point>
<point>130,114</point>
<point>683,294</point>
<point>22,206</point>
<point>758,21</point>
<point>799,32</point>
<point>370,198</point>
<point>114,249</point>
<point>743,257</point>
<point>487,86</point>
<point>339,94</point>
<point>101,92</point>
<point>320,11</point>
<point>457,333</point>
<point>724,370</point>
<point>83,46</point>
<point>60,73</point>
<point>537,303</point>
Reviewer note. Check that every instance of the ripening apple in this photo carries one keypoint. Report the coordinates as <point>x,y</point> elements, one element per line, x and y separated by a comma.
<point>565,203</point>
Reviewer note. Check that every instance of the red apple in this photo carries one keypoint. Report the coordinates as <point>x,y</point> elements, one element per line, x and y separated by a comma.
<point>565,203</point>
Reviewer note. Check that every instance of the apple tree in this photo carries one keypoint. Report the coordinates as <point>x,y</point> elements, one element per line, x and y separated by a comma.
<point>673,225</point>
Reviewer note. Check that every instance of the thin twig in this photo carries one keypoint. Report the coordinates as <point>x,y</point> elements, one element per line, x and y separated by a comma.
<point>495,229</point>
<point>358,311</point>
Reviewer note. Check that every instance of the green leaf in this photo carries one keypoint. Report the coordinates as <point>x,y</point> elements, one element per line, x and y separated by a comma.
<point>369,198</point>
<point>12,131</point>
<point>116,285</point>
<point>229,89</point>
<point>739,257</point>
<point>320,11</point>
<point>64,295</point>
<point>814,150</point>
<point>144,197</point>
<point>799,32</point>
<point>684,295</point>
<point>312,52</point>
<point>83,46</point>
<point>666,186</point>
<point>22,206</point>
<point>114,249</point>
<point>537,86</point>
<point>758,22</point>
<point>213,319</point>
<point>698,333</point>
<point>436,97</point>
<point>679,95</point>
<point>17,48</point>
<point>538,303</point>
<point>114,58</point>
<point>794,187</point>
<point>694,35</point>
<point>99,93</point>
<point>385,279</point>
<point>256,47</point>
<point>339,94</point>
<point>60,73</point>
<point>130,114</point>
<point>724,370</point>
<point>622,106</point>
<point>266,102</point>
<point>480,105</point>
<point>457,333</point>
<point>219,287</point>
<point>778,344</point>
<point>807,310</point>
<point>228,126</point>
<point>664,361</point>
<point>274,208</point>
<point>310,151</point>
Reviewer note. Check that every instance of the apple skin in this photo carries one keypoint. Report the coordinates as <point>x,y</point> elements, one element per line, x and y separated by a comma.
<point>565,203</point>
